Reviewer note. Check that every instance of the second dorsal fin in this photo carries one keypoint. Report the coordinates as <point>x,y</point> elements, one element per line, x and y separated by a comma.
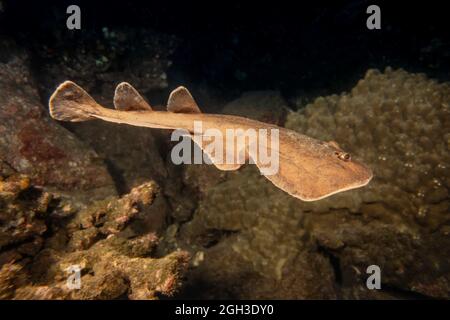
<point>127,98</point>
<point>181,101</point>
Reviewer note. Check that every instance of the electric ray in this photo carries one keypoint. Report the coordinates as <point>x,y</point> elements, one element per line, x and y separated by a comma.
<point>307,169</point>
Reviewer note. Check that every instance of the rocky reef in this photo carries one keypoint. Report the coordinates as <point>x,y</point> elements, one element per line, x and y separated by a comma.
<point>107,199</point>
<point>59,207</point>
<point>41,239</point>
<point>32,144</point>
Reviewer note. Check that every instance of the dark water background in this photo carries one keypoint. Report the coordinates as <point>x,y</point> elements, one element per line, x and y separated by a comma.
<point>316,47</point>
<point>224,48</point>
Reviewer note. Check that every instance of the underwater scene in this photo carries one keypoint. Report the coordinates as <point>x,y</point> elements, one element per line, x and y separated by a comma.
<point>224,150</point>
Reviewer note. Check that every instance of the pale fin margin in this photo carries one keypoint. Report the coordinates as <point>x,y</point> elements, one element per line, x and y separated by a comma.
<point>70,102</point>
<point>127,98</point>
<point>181,101</point>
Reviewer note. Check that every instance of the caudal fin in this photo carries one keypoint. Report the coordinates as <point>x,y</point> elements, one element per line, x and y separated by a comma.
<point>69,102</point>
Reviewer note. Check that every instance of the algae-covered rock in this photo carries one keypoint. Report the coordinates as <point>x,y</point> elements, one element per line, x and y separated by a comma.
<point>50,213</point>
<point>31,143</point>
<point>22,214</point>
<point>111,268</point>
<point>114,259</point>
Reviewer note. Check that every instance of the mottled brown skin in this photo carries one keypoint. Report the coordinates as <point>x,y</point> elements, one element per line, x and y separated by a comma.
<point>309,169</point>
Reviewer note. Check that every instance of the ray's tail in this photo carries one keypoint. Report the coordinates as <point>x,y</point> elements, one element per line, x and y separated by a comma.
<point>69,102</point>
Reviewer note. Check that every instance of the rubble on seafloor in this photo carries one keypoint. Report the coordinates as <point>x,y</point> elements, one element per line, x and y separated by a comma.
<point>38,246</point>
<point>102,56</point>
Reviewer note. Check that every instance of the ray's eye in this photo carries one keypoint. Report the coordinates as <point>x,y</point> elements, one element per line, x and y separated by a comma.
<point>343,155</point>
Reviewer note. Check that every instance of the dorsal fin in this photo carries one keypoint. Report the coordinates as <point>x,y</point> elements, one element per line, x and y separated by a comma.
<point>127,98</point>
<point>181,101</point>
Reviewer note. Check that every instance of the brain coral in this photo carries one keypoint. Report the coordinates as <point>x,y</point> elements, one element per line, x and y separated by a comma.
<point>258,241</point>
<point>399,123</point>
